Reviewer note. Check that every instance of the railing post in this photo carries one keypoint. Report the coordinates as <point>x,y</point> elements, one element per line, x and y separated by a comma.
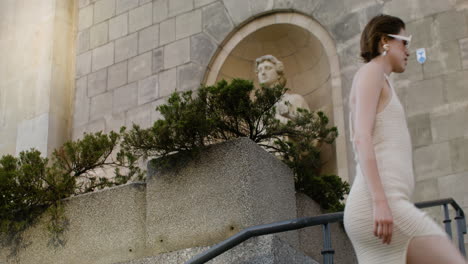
<point>447,221</point>
<point>327,251</point>
<point>461,229</point>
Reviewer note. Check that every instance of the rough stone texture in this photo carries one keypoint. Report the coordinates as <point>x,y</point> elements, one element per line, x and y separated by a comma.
<point>216,21</point>
<point>424,95</point>
<point>188,24</point>
<point>177,53</point>
<point>148,89</point>
<point>239,10</point>
<point>464,52</point>
<point>125,5</point>
<point>176,7</point>
<point>124,98</point>
<point>117,75</point>
<point>450,122</point>
<point>259,6</point>
<point>126,47</point>
<point>101,105</point>
<point>148,39</point>
<point>83,64</point>
<point>451,25</point>
<point>118,26</point>
<point>103,9</point>
<point>167,31</point>
<point>459,154</point>
<point>139,67</point>
<point>104,227</point>
<point>85,17</point>
<point>140,17</point>
<point>199,3</point>
<point>252,187</point>
<point>99,34</point>
<point>158,60</point>
<point>261,250</point>
<point>167,83</point>
<point>417,9</point>
<point>455,86</point>
<point>160,10</point>
<point>347,29</point>
<point>432,161</point>
<point>202,49</point>
<point>82,41</point>
<point>103,56</point>
<point>97,82</point>
<point>420,129</point>
<point>189,76</point>
<point>139,116</point>
<point>114,122</point>
<point>444,58</point>
<point>81,103</point>
<point>311,238</point>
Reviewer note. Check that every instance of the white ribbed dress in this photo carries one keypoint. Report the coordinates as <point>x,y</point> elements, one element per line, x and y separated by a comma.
<point>392,145</point>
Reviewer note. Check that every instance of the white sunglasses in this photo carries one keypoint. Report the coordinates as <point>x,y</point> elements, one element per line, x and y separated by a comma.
<point>406,40</point>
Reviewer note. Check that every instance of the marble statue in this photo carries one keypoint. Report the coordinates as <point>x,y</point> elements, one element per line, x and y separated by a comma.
<point>270,72</point>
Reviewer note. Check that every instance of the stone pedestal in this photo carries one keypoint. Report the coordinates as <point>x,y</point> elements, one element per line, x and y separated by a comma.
<point>228,187</point>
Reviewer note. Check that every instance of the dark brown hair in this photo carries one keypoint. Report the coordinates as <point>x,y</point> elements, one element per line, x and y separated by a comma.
<point>379,26</point>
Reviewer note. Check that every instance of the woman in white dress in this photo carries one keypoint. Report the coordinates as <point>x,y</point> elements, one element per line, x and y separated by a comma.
<point>382,223</point>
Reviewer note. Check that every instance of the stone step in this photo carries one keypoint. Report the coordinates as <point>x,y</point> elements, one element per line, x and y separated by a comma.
<point>261,250</point>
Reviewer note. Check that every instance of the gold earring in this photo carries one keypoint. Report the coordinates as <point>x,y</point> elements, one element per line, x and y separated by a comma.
<point>386,47</point>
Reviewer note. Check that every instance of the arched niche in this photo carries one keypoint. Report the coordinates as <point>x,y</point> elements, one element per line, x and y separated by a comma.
<point>311,67</point>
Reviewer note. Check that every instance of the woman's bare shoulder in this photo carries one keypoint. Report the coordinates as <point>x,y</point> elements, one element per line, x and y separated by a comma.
<point>369,74</point>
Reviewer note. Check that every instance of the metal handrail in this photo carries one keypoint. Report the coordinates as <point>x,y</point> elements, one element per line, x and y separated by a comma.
<point>323,220</point>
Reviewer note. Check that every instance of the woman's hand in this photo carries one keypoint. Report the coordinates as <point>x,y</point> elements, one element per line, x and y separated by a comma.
<point>383,221</point>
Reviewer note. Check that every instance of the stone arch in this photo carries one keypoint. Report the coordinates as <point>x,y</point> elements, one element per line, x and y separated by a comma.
<point>319,46</point>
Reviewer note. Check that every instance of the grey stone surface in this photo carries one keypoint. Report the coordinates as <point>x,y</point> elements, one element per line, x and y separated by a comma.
<point>420,129</point>
<point>96,126</point>
<point>444,58</point>
<point>140,17</point>
<point>252,187</point>
<point>97,82</point>
<point>188,24</point>
<point>455,186</point>
<point>418,8</point>
<point>455,86</point>
<point>83,64</point>
<point>81,103</point>
<point>148,89</point>
<point>99,34</point>
<point>103,56</point>
<point>148,38</point>
<point>239,10</point>
<point>114,122</point>
<point>177,53</point>
<point>160,10</point>
<point>101,105</point>
<point>202,49</point>
<point>449,123</point>
<point>126,47</point>
<point>85,17</point>
<point>124,98</point>
<point>216,21</point>
<point>139,67</point>
<point>330,12</point>
<point>118,26</point>
<point>459,154</point>
<point>82,41</point>
<point>199,3</point>
<point>125,5</point>
<point>189,76</point>
<point>347,28</point>
<point>176,7</point>
<point>139,116</point>
<point>158,60</point>
<point>432,161</point>
<point>117,75</point>
<point>167,31</point>
<point>103,10</point>
<point>451,25</point>
<point>167,82</point>
<point>103,227</point>
<point>426,190</point>
<point>306,6</point>
<point>464,52</point>
<point>83,3</point>
<point>260,250</point>
<point>259,6</point>
<point>424,95</point>
<point>311,238</point>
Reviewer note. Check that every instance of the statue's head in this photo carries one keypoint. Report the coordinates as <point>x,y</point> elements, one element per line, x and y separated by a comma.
<point>270,71</point>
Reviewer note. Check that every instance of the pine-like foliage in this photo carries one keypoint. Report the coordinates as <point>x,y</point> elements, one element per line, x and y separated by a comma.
<point>230,110</point>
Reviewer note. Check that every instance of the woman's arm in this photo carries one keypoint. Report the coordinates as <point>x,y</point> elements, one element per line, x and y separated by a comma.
<point>368,88</point>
